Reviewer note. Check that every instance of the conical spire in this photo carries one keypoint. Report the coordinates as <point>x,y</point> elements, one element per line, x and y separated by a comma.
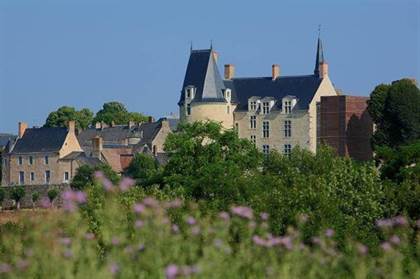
<point>319,56</point>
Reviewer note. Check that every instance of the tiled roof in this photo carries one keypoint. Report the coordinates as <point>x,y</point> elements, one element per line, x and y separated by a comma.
<point>202,73</point>
<point>41,140</point>
<point>81,156</point>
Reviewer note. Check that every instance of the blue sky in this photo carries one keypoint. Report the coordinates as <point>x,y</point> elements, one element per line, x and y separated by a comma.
<point>83,53</point>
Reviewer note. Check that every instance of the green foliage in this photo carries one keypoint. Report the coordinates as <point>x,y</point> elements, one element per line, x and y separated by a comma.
<point>85,175</point>
<point>64,114</point>
<point>1,165</point>
<point>17,193</point>
<point>2,195</point>
<point>115,112</point>
<point>208,162</point>
<point>52,194</point>
<point>35,197</point>
<point>144,169</point>
<point>395,111</point>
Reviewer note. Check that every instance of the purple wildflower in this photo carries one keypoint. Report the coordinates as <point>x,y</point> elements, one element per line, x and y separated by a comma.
<point>139,208</point>
<point>99,174</point>
<point>224,216</point>
<point>138,224</point>
<point>114,268</point>
<point>191,221</point>
<point>126,184</point>
<point>329,233</point>
<point>195,230</point>
<point>171,271</point>
<point>260,241</point>
<point>22,264</point>
<point>176,203</point>
<point>65,241</point>
<point>150,202</point>
<point>115,241</point>
<point>67,195</point>
<point>399,221</point>
<point>418,223</point>
<point>386,246</point>
<point>5,268</point>
<point>362,249</point>
<point>80,197</point>
<point>395,240</point>
<point>242,211</point>
<point>287,242</point>
<point>45,202</point>
<point>384,223</point>
<point>264,216</point>
<point>69,206</point>
<point>67,253</point>
<point>89,236</point>
<point>108,186</point>
<point>316,240</point>
<point>175,228</point>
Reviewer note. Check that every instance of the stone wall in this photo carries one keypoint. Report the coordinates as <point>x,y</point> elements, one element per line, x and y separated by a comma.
<point>26,202</point>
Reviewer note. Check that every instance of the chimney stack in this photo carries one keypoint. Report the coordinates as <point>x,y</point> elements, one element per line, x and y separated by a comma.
<point>22,128</point>
<point>71,125</point>
<point>229,71</point>
<point>275,71</point>
<point>323,70</point>
<point>97,147</point>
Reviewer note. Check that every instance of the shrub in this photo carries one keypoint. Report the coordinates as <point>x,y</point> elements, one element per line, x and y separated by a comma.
<point>52,194</point>
<point>17,193</point>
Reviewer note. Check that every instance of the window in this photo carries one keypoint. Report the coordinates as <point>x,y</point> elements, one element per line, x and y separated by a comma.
<point>266,149</point>
<point>266,107</point>
<point>21,177</point>
<point>46,160</point>
<point>47,176</point>
<point>20,160</point>
<point>66,176</point>
<point>31,160</point>
<point>287,149</point>
<point>188,109</point>
<point>253,139</point>
<point>253,122</point>
<point>253,105</point>
<point>287,128</point>
<point>189,93</point>
<point>287,107</point>
<point>32,177</point>
<point>266,129</point>
<point>154,150</point>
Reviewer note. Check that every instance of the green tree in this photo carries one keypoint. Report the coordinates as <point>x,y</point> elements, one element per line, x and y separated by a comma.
<point>85,175</point>
<point>35,198</point>
<point>115,112</point>
<point>2,197</point>
<point>17,194</point>
<point>60,117</point>
<point>52,194</point>
<point>395,110</point>
<point>1,165</point>
<point>207,161</point>
<point>144,169</point>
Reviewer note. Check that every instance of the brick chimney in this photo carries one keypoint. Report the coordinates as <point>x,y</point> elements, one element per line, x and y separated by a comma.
<point>22,128</point>
<point>97,147</point>
<point>275,71</point>
<point>323,70</point>
<point>71,125</point>
<point>229,71</point>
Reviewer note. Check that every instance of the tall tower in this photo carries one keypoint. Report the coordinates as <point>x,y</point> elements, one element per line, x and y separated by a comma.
<point>203,94</point>
<point>321,66</point>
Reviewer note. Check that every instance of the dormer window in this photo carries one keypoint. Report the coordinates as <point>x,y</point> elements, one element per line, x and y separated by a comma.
<point>287,107</point>
<point>266,107</point>
<point>227,93</point>
<point>288,104</point>
<point>253,105</point>
<point>190,92</point>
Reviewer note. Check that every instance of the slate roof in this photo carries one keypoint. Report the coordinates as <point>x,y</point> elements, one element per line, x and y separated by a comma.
<point>81,156</point>
<point>202,73</point>
<point>4,139</point>
<point>41,140</point>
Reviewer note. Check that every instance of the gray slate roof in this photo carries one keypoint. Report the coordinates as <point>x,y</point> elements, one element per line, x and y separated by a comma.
<point>4,139</point>
<point>202,73</point>
<point>81,157</point>
<point>41,140</point>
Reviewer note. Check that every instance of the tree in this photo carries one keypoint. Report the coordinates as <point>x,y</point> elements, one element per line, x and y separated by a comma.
<point>115,112</point>
<point>35,197</point>
<point>395,110</point>
<point>60,117</point>
<point>1,166</point>
<point>17,194</point>
<point>207,161</point>
<point>52,194</point>
<point>2,196</point>
<point>85,175</point>
<point>144,169</point>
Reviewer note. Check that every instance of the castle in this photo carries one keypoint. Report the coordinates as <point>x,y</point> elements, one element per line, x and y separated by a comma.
<point>275,112</point>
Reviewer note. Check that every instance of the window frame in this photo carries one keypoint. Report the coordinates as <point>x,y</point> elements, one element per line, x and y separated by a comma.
<point>287,149</point>
<point>253,122</point>
<point>266,107</point>
<point>266,129</point>
<point>21,177</point>
<point>287,128</point>
<point>47,177</point>
<point>266,149</point>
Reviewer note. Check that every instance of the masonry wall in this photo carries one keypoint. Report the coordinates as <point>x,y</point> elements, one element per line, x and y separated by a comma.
<point>216,111</point>
<point>346,126</point>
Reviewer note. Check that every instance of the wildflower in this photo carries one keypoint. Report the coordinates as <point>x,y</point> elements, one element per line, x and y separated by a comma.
<point>287,242</point>
<point>171,271</point>
<point>384,223</point>
<point>69,206</point>
<point>22,264</point>
<point>105,181</point>
<point>218,242</point>
<point>329,233</point>
<point>89,236</point>
<point>252,225</point>
<point>243,211</point>
<point>67,195</point>
<point>224,216</point>
<point>316,240</point>
<point>264,216</point>
<point>395,240</point>
<point>176,203</point>
<point>80,197</point>
<point>99,174</point>
<point>67,253</point>
<point>138,224</point>
<point>386,246</point>
<point>65,241</point>
<point>418,223</point>
<point>195,230</point>
<point>126,184</point>
<point>139,208</point>
<point>303,218</point>
<point>362,249</point>
<point>5,268</point>
<point>150,202</point>
<point>260,241</point>
<point>140,248</point>
<point>175,228</point>
<point>115,241</point>
<point>45,202</point>
<point>114,268</point>
<point>191,221</point>
<point>399,221</point>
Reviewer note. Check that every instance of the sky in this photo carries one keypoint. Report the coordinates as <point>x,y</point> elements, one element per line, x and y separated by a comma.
<point>83,53</point>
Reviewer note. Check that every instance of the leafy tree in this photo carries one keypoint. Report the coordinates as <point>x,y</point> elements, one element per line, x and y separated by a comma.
<point>17,194</point>
<point>144,169</point>
<point>2,197</point>
<point>64,114</point>
<point>207,161</point>
<point>115,112</point>
<point>85,175</point>
<point>35,198</point>
<point>395,111</point>
<point>52,194</point>
<point>1,165</point>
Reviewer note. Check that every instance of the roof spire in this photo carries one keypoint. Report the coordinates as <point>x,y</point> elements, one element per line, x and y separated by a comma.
<point>211,44</point>
<point>319,52</point>
<point>191,46</point>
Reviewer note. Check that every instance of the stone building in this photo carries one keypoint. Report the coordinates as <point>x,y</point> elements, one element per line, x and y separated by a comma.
<point>346,126</point>
<point>275,112</point>
<point>41,156</point>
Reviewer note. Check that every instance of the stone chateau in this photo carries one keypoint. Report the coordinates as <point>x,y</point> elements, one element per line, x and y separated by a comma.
<point>274,112</point>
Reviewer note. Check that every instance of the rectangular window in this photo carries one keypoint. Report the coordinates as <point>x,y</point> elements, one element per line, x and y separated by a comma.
<point>66,176</point>
<point>188,109</point>
<point>47,176</point>
<point>266,129</point>
<point>287,128</point>
<point>253,106</point>
<point>21,177</point>
<point>253,122</point>
<point>31,160</point>
<point>46,160</point>
<point>253,139</point>
<point>20,160</point>
<point>32,177</point>
<point>287,107</point>
<point>266,149</point>
<point>287,149</point>
<point>266,107</point>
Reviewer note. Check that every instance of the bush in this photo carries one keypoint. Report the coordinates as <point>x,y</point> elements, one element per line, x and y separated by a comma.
<point>17,193</point>
<point>52,194</point>
<point>85,176</point>
<point>144,169</point>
